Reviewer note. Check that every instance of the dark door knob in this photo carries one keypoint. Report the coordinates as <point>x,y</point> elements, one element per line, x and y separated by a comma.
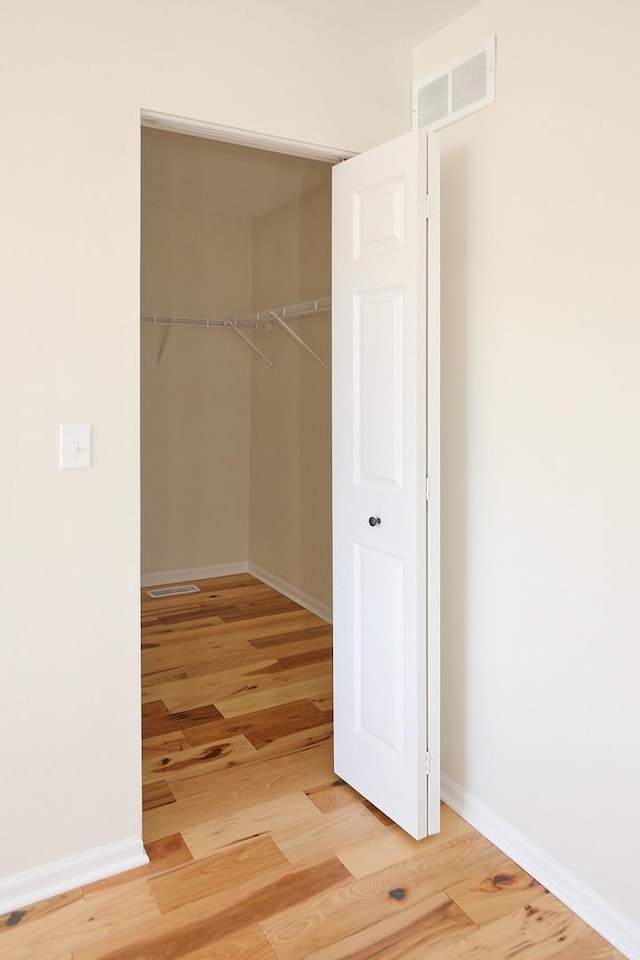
<point>374,521</point>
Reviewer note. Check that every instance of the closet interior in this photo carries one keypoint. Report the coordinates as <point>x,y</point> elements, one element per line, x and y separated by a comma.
<point>236,348</point>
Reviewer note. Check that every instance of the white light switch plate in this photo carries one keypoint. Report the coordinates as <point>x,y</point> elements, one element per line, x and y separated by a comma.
<point>75,446</point>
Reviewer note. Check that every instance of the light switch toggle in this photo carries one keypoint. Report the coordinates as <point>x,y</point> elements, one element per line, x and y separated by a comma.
<point>75,446</point>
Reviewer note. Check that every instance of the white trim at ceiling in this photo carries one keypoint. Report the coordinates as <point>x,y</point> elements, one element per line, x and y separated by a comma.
<point>245,138</point>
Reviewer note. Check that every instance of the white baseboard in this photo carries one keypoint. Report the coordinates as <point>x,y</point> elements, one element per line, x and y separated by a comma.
<point>241,566</point>
<point>26,888</point>
<point>194,573</point>
<point>293,593</point>
<point>613,925</point>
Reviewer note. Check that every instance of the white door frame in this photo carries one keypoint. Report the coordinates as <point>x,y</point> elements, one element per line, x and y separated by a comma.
<point>247,138</point>
<point>244,138</point>
<point>298,148</point>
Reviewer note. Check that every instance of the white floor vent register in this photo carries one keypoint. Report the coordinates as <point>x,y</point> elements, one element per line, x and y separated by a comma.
<point>460,88</point>
<point>173,591</point>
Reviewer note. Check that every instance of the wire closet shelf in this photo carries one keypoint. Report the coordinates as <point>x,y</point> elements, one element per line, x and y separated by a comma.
<point>261,320</point>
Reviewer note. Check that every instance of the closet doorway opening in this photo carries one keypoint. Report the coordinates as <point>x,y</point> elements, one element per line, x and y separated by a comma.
<point>235,421</point>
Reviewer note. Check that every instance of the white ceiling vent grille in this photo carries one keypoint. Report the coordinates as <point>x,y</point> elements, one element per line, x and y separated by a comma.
<point>466,85</point>
<point>173,591</point>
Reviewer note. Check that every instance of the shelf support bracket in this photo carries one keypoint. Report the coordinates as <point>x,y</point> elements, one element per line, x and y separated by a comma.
<point>297,338</point>
<point>249,342</point>
<point>163,346</point>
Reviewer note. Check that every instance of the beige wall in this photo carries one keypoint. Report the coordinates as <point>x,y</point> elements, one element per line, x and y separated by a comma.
<point>75,76</point>
<point>541,406</point>
<point>290,532</point>
<point>195,401</point>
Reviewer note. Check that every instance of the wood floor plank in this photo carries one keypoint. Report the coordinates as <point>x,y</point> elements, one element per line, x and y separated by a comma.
<point>294,660</point>
<point>259,683</point>
<point>488,897</point>
<point>185,602</point>
<point>323,701</point>
<point>179,926</point>
<point>392,845</point>
<point>164,855</point>
<point>247,944</point>
<point>209,875</point>
<point>262,779</point>
<point>55,934</point>
<point>246,610</point>
<point>245,824</point>
<point>317,685</point>
<point>245,653</point>
<point>151,680</point>
<point>191,762</point>
<point>235,789</point>
<point>184,815</point>
<point>300,741</point>
<point>182,644</point>
<point>306,635</point>
<point>207,688</point>
<point>157,720</point>
<point>212,602</point>
<point>537,931</point>
<point>333,796</point>
<point>157,794</point>
<point>324,835</point>
<point>123,907</point>
<point>408,935</point>
<point>201,614</point>
<point>250,601</point>
<point>36,911</point>
<point>378,814</point>
<point>261,726</point>
<point>171,742</point>
<point>590,946</point>
<point>209,920</point>
<point>351,907</point>
<point>294,643</point>
<point>257,628</point>
<point>240,653</point>
<point>292,743</point>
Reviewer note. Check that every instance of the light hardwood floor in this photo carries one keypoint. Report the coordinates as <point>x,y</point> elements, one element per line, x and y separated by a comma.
<point>257,851</point>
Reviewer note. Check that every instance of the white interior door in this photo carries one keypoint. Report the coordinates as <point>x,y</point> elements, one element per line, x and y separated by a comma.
<point>385,348</point>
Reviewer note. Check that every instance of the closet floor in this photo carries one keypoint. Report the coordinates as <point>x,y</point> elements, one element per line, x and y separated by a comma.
<point>257,851</point>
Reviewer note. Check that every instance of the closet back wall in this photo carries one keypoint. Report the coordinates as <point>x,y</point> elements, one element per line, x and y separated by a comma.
<point>196,400</point>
